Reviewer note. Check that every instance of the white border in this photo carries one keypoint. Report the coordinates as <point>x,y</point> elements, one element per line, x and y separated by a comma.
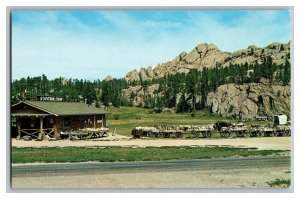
<point>153,3</point>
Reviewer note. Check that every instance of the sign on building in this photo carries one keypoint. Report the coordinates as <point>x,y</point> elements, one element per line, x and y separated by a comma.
<point>50,99</point>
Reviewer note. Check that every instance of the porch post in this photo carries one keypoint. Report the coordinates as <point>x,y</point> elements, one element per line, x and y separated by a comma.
<point>94,122</point>
<point>41,134</point>
<point>56,134</point>
<point>102,119</point>
<point>19,129</point>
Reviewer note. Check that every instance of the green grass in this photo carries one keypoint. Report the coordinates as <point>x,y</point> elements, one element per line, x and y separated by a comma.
<point>130,117</point>
<point>280,183</point>
<point>112,154</point>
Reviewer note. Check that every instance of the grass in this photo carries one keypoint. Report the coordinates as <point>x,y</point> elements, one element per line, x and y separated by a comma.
<point>130,117</point>
<point>112,154</point>
<point>280,183</point>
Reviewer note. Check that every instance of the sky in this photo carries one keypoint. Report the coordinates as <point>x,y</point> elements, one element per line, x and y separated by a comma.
<point>91,44</point>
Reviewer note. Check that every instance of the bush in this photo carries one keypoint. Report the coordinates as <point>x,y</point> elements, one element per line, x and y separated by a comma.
<point>116,117</point>
<point>97,104</point>
<point>151,111</point>
<point>280,183</point>
<point>193,115</point>
<point>157,110</point>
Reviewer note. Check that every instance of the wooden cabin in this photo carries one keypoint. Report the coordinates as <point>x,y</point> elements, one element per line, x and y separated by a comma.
<point>40,118</point>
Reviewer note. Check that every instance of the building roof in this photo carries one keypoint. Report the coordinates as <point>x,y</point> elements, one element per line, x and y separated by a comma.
<point>65,108</point>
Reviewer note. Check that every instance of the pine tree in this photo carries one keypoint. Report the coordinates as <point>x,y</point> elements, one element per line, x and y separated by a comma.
<point>192,87</point>
<point>183,105</point>
<point>281,48</point>
<point>204,89</point>
<point>268,73</point>
<point>89,92</point>
<point>286,72</point>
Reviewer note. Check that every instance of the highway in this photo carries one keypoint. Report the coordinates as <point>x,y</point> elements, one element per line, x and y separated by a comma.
<point>153,174</point>
<point>222,163</point>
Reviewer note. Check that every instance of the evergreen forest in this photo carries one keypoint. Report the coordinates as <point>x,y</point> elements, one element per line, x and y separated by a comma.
<point>189,85</point>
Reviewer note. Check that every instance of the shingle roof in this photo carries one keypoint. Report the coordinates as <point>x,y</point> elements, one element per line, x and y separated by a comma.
<point>66,108</point>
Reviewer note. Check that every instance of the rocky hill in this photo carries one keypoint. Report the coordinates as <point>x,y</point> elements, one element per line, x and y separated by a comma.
<point>245,100</point>
<point>209,56</point>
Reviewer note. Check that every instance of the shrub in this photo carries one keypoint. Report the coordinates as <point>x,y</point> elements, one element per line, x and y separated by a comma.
<point>116,117</point>
<point>157,110</point>
<point>280,183</point>
<point>151,111</point>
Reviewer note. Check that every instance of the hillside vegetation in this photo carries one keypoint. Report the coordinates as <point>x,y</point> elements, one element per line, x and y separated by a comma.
<point>185,84</point>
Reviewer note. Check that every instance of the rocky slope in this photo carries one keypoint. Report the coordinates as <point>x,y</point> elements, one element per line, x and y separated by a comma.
<point>232,100</point>
<point>250,100</point>
<point>137,94</point>
<point>208,55</point>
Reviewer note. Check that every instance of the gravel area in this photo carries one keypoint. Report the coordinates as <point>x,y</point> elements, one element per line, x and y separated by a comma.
<point>262,143</point>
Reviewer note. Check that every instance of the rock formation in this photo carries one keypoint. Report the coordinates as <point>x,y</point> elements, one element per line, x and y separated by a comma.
<point>137,94</point>
<point>132,76</point>
<point>249,100</point>
<point>108,78</point>
<point>208,55</point>
<point>246,100</point>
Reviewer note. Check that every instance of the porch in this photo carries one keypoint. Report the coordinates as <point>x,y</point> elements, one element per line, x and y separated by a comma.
<point>35,126</point>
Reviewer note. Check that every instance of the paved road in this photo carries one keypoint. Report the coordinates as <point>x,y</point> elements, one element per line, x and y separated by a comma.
<point>251,172</point>
<point>174,165</point>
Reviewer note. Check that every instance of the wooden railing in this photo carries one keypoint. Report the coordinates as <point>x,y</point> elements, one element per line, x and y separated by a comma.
<point>34,133</point>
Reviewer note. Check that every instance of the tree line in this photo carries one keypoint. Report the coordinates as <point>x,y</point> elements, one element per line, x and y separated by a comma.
<point>71,90</point>
<point>192,87</point>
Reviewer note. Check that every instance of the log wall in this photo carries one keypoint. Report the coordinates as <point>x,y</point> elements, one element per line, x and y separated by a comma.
<point>77,122</point>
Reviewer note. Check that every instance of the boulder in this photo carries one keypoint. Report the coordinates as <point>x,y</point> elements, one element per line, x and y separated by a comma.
<point>132,76</point>
<point>250,100</point>
<point>149,72</point>
<point>143,74</point>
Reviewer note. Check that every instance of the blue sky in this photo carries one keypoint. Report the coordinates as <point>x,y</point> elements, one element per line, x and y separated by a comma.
<point>94,44</point>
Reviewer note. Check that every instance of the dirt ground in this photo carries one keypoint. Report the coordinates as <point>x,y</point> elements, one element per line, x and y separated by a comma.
<point>261,143</point>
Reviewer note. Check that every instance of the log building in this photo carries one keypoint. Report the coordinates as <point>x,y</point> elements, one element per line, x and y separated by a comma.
<point>40,118</point>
